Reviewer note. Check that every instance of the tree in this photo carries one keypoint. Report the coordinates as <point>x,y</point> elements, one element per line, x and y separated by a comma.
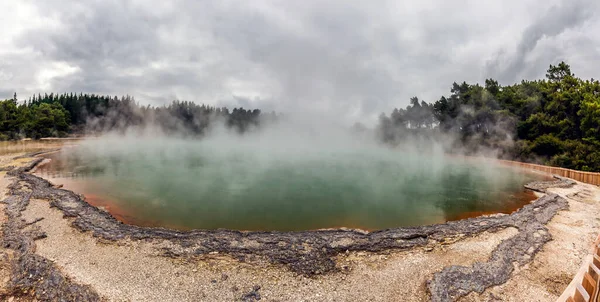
<point>590,112</point>
<point>492,86</point>
<point>49,120</point>
<point>556,120</point>
<point>558,73</point>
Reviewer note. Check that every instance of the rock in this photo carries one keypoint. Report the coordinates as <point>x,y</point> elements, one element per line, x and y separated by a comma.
<point>253,295</point>
<point>511,255</point>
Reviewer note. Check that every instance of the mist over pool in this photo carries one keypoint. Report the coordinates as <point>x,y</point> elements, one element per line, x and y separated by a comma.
<point>282,180</point>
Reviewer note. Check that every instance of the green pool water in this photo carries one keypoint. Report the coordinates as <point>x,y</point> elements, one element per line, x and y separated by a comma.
<point>210,184</point>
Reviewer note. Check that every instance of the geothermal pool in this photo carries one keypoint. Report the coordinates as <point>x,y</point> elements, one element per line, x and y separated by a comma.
<point>251,185</point>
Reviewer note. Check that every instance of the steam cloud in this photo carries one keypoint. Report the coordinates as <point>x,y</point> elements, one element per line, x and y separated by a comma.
<point>293,174</point>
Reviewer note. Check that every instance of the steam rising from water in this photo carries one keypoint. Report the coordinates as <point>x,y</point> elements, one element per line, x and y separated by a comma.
<point>284,178</point>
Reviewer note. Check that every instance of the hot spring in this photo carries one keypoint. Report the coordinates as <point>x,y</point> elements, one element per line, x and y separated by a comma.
<point>252,184</point>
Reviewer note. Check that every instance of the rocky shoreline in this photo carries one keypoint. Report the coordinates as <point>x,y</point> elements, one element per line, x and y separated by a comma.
<point>307,253</point>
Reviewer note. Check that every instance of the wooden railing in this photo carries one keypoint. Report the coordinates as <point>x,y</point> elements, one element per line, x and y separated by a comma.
<point>584,287</point>
<point>586,177</point>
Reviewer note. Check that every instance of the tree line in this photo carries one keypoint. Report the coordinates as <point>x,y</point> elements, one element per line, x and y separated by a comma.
<point>554,121</point>
<point>58,115</point>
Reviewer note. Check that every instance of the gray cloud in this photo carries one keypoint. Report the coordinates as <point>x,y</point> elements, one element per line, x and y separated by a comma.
<point>555,21</point>
<point>343,58</point>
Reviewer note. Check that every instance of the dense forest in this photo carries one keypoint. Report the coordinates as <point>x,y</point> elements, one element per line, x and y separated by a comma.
<point>554,121</point>
<point>58,115</point>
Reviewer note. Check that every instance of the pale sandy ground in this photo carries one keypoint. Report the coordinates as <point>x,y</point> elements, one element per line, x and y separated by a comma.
<point>132,271</point>
<point>573,232</point>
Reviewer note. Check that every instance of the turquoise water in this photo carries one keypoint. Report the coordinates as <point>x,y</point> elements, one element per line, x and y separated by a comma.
<point>211,184</point>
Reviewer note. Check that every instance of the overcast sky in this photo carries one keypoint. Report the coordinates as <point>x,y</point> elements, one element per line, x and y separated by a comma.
<point>353,59</point>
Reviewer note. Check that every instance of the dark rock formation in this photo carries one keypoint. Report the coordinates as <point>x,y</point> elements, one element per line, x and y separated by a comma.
<point>542,186</point>
<point>454,282</point>
<point>33,275</point>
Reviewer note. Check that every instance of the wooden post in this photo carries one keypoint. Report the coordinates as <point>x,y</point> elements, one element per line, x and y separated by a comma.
<point>594,271</point>
<point>589,284</point>
<point>581,294</point>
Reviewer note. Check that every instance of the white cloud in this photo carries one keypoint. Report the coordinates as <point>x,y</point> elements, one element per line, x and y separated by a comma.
<point>54,71</point>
